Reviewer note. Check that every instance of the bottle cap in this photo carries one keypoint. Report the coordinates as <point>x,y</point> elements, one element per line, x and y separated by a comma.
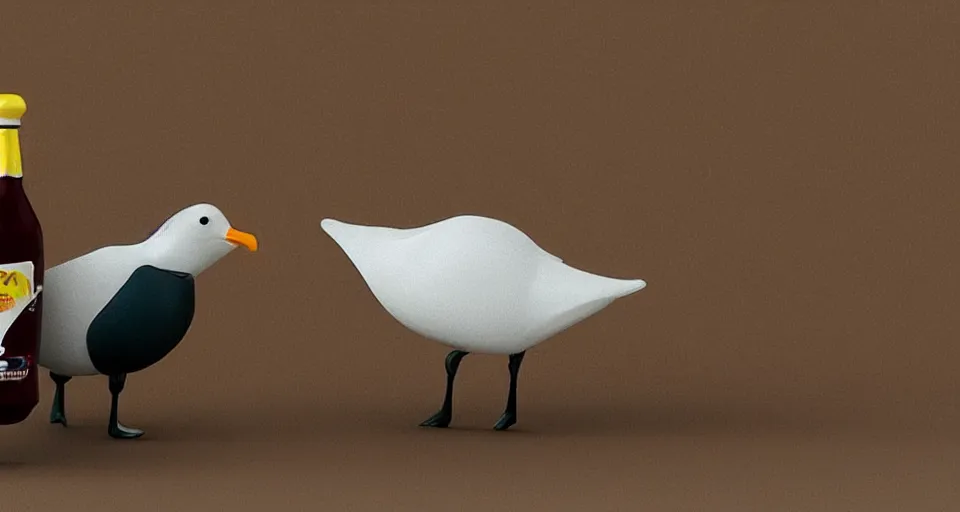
<point>12,108</point>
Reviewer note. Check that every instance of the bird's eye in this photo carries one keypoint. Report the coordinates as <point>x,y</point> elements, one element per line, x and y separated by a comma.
<point>204,220</point>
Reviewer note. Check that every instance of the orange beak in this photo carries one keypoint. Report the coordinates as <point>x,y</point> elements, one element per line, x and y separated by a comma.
<point>240,238</point>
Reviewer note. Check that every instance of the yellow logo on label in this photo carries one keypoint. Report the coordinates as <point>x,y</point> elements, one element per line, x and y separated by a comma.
<point>13,285</point>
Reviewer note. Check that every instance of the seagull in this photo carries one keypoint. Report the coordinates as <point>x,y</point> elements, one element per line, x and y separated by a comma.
<point>122,308</point>
<point>475,284</point>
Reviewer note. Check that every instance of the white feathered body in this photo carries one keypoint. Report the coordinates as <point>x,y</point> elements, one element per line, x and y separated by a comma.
<point>474,283</point>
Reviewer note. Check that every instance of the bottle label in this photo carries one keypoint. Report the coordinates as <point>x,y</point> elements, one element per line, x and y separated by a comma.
<point>10,161</point>
<point>17,293</point>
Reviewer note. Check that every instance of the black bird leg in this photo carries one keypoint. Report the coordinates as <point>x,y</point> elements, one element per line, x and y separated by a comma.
<point>58,413</point>
<point>510,414</point>
<point>442,418</point>
<point>115,429</point>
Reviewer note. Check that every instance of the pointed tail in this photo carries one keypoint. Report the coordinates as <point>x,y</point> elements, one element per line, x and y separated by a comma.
<point>626,287</point>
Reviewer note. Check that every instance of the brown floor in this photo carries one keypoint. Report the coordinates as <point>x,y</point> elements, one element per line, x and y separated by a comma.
<point>370,455</point>
<point>784,175</point>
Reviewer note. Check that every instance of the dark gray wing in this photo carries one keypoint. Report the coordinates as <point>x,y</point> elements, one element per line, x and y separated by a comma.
<point>143,322</point>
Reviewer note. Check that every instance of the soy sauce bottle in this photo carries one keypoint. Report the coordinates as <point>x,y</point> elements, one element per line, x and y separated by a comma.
<point>21,274</point>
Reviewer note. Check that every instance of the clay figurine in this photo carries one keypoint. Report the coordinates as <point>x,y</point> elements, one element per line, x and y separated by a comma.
<point>122,308</point>
<point>475,284</point>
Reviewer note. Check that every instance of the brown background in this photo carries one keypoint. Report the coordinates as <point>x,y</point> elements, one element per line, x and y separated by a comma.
<point>784,176</point>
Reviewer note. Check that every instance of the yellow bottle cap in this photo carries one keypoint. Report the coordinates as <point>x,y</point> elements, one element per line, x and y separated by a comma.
<point>12,106</point>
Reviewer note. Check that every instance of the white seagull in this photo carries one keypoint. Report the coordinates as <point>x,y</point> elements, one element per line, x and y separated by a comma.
<point>475,284</point>
<point>122,308</point>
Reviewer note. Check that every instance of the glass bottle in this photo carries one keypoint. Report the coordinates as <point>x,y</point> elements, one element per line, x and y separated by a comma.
<point>21,274</point>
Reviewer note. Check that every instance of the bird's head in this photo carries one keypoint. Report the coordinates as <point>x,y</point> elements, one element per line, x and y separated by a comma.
<point>195,238</point>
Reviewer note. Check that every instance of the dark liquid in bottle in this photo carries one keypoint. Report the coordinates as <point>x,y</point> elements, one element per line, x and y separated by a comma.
<point>21,240</point>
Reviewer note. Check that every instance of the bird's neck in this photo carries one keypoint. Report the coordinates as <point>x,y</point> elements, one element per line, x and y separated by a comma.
<point>162,253</point>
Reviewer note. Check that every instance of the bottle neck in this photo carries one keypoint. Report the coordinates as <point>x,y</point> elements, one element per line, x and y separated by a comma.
<point>11,165</point>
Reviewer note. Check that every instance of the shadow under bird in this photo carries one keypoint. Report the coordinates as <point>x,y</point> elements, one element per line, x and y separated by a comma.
<point>122,308</point>
<point>475,284</point>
